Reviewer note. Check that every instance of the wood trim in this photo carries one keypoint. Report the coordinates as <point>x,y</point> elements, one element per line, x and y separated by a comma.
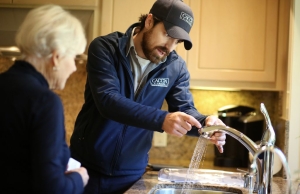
<point>59,2</point>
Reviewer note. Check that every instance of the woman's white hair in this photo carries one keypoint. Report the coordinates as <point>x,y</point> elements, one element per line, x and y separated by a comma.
<point>50,28</point>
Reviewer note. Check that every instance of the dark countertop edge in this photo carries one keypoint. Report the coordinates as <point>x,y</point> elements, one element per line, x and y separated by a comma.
<point>149,182</point>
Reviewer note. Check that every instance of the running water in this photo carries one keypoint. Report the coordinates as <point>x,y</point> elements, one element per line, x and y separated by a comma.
<point>194,165</point>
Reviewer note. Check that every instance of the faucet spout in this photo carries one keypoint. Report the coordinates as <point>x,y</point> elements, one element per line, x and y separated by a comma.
<point>207,132</point>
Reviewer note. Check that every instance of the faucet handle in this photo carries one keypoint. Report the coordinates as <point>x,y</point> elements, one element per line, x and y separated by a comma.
<point>269,135</point>
<point>266,115</point>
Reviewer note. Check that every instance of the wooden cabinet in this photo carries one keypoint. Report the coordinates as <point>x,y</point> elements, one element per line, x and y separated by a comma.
<point>118,15</point>
<point>59,2</point>
<point>237,44</point>
<point>87,11</point>
<point>6,1</point>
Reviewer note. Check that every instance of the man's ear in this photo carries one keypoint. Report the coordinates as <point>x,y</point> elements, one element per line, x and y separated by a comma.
<point>149,21</point>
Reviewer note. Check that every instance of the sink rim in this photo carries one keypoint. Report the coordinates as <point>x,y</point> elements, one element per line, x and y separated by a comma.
<point>196,186</point>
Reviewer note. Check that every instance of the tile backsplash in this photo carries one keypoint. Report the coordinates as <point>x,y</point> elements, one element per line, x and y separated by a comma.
<point>206,101</point>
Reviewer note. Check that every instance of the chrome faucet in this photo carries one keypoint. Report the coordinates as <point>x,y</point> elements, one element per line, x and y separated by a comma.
<point>264,168</point>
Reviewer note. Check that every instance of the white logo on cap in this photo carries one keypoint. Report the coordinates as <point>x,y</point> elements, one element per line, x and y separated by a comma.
<point>187,18</point>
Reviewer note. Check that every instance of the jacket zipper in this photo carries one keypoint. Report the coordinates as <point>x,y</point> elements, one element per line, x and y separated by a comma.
<point>121,138</point>
<point>118,150</point>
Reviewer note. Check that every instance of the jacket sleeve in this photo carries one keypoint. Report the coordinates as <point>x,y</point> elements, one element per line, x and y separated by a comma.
<point>105,86</point>
<point>49,151</point>
<point>180,98</point>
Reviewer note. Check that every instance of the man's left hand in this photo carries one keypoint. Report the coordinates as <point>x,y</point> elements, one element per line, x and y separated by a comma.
<point>218,138</point>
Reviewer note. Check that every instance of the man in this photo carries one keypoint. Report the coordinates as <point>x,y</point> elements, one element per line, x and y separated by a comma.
<point>129,76</point>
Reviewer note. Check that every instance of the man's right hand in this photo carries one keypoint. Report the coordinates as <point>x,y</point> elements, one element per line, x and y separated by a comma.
<point>179,123</point>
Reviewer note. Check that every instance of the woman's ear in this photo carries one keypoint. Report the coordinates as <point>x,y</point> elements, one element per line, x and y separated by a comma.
<point>55,60</point>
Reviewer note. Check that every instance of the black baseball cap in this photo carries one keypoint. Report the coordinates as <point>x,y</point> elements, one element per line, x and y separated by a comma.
<point>177,17</point>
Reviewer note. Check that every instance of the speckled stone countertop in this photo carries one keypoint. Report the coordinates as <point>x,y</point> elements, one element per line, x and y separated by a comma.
<point>149,182</point>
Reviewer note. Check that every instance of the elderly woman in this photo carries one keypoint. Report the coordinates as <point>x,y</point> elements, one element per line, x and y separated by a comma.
<point>34,153</point>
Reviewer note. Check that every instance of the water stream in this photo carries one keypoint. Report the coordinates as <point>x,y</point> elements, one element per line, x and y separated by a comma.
<point>199,153</point>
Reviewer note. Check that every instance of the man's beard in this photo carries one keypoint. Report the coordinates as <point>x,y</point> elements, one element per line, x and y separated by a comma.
<point>150,52</point>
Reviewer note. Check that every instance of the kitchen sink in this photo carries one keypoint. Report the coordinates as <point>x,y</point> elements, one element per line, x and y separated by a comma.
<point>197,188</point>
<point>202,176</point>
<point>203,181</point>
<point>192,191</point>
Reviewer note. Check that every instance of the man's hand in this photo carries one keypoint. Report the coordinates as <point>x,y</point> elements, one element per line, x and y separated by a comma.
<point>179,123</point>
<point>217,138</point>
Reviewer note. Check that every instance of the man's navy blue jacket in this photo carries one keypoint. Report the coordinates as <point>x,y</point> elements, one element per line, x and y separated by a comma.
<point>114,129</point>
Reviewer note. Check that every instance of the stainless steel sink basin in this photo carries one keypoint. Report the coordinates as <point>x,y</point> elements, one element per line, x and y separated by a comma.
<point>197,188</point>
<point>193,191</point>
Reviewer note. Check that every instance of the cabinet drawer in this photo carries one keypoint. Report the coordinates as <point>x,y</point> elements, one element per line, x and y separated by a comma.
<point>58,2</point>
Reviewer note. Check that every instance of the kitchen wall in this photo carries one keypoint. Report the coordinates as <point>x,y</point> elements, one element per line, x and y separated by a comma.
<point>206,101</point>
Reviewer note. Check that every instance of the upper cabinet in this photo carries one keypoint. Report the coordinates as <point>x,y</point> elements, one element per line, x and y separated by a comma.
<point>238,44</point>
<point>118,15</point>
<point>6,1</point>
<point>14,12</point>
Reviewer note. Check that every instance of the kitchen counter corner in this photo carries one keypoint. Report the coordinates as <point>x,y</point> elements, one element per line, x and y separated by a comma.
<point>149,182</point>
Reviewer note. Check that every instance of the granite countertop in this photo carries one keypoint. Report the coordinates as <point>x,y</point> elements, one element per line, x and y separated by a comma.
<point>149,182</point>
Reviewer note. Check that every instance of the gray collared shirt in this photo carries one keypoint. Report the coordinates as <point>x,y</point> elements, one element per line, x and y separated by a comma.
<point>140,67</point>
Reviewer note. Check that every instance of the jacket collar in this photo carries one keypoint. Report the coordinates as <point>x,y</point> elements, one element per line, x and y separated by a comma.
<point>25,67</point>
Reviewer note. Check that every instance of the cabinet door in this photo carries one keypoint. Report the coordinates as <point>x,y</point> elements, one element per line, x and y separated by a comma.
<point>59,2</point>
<point>6,1</point>
<point>118,15</point>
<point>235,44</point>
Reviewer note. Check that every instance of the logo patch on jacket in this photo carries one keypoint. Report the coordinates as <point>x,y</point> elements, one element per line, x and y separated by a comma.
<point>160,82</point>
